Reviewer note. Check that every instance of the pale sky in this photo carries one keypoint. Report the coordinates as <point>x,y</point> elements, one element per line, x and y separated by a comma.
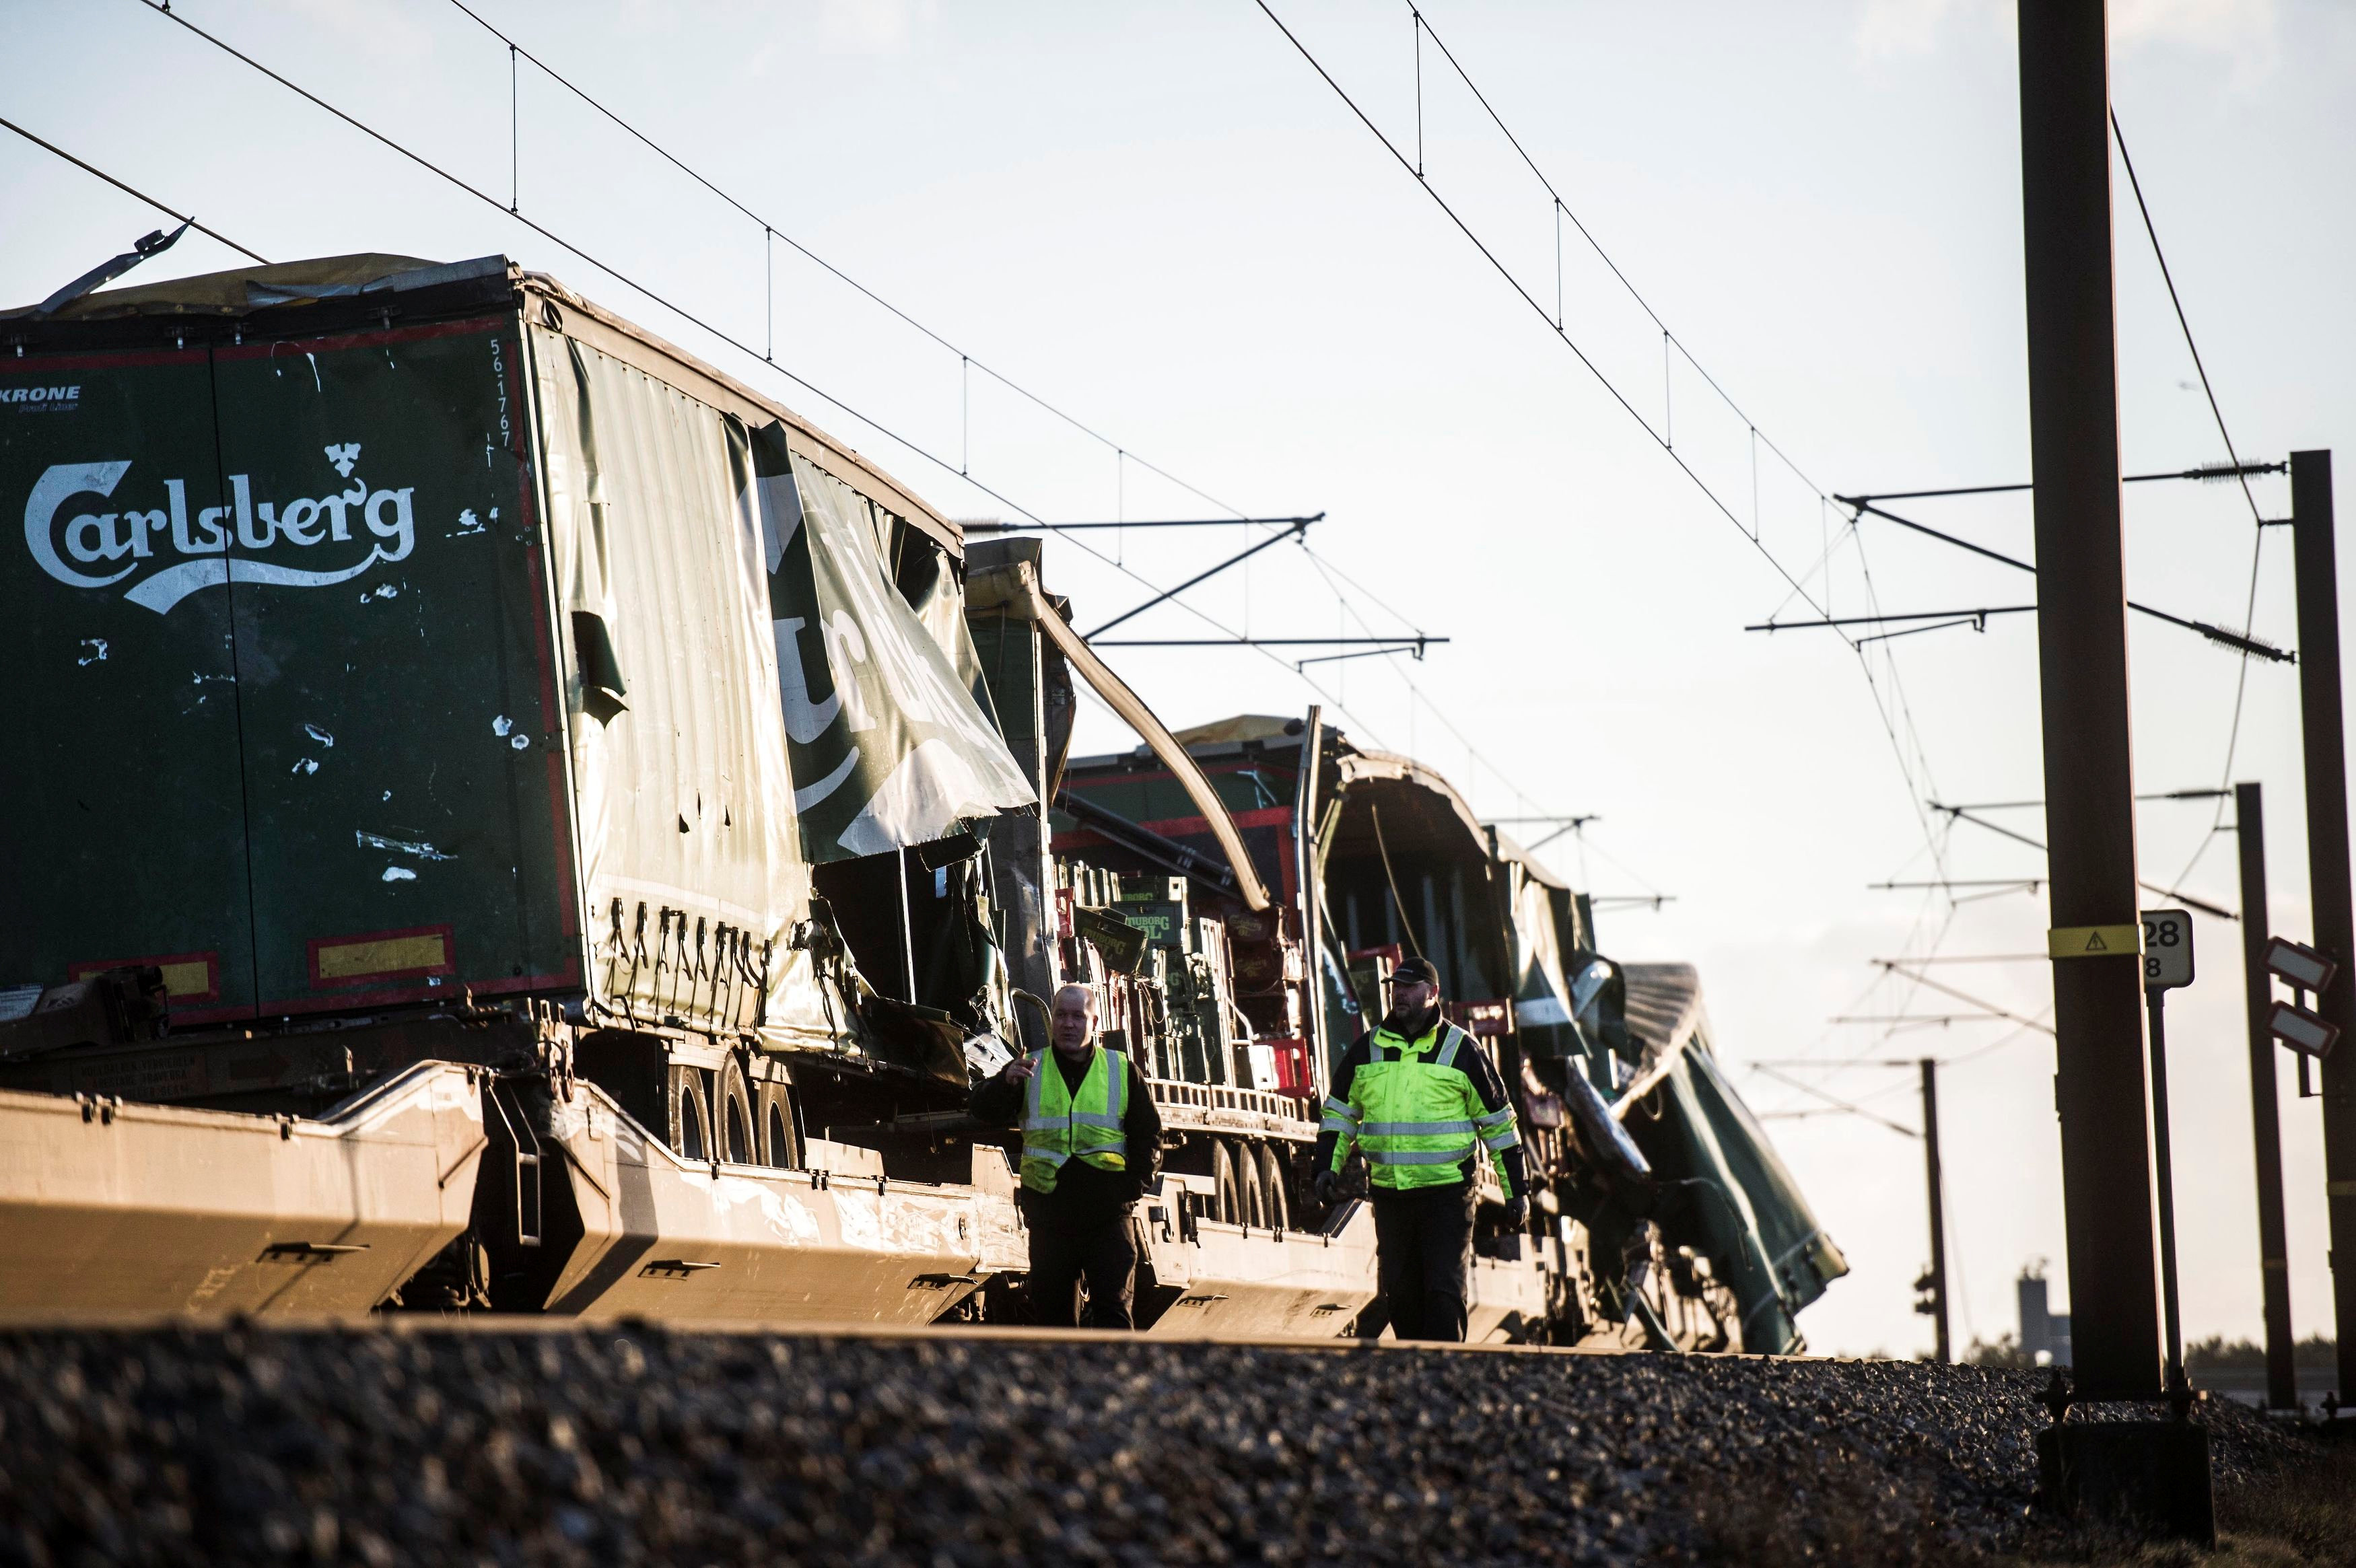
<point>1161,220</point>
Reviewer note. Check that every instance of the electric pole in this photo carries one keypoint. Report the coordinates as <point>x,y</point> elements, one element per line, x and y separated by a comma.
<point>2100,1087</point>
<point>2324,740</point>
<point>1934,1284</point>
<point>2266,1125</point>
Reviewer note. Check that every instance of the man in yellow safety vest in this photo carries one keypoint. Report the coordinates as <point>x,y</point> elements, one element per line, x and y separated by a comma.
<point>1424,1102</point>
<point>1091,1146</point>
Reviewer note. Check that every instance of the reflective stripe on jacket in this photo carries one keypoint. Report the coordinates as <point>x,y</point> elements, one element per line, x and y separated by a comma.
<point>1415,1113</point>
<point>1059,1124</point>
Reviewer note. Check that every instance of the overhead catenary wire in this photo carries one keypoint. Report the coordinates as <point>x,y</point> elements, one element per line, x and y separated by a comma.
<point>1916,1020</point>
<point>2233,469</point>
<point>1663,442</point>
<point>1404,644</point>
<point>994,526</point>
<point>2023,1029</point>
<point>2258,541</point>
<point>2241,641</point>
<point>1901,966</point>
<point>1330,570</point>
<point>555,239</point>
<point>1963,813</point>
<point>2182,322</point>
<point>770,229</point>
<point>1833,1102</point>
<point>1977,623</point>
<point>140,195</point>
<point>1663,437</point>
<point>2208,473</point>
<point>967,362</point>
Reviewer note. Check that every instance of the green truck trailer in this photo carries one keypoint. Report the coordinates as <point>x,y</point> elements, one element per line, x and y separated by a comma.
<point>503,816</point>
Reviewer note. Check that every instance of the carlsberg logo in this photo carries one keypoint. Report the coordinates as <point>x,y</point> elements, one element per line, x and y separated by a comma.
<point>79,549</point>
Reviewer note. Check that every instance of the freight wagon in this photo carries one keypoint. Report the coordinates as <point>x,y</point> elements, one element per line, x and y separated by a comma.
<point>504,816</point>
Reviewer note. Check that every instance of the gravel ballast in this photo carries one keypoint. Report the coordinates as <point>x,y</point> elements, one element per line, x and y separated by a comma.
<point>635,1444</point>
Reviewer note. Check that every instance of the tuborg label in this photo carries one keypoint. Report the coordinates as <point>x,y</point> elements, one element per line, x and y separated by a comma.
<point>152,534</point>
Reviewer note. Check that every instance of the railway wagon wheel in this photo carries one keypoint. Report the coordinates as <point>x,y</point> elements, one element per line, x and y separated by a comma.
<point>690,1112</point>
<point>733,1120</point>
<point>1278,1204</point>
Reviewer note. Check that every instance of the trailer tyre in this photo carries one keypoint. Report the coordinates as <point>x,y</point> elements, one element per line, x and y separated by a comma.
<point>1227,1197</point>
<point>1253,1185</point>
<point>690,1112</point>
<point>1271,1169</point>
<point>773,1108</point>
<point>733,1124</point>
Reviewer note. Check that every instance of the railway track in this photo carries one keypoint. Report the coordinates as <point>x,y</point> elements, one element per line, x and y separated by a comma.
<point>538,1442</point>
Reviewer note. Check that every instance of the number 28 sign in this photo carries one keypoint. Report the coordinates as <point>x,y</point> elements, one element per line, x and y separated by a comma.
<point>2167,949</point>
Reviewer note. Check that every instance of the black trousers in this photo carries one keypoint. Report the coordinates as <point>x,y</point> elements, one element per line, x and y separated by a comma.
<point>1423,1240</point>
<point>1067,1248</point>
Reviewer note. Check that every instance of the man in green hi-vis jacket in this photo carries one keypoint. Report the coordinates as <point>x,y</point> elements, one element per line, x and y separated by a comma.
<point>1424,1102</point>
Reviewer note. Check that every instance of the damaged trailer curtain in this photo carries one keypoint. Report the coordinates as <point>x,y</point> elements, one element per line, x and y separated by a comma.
<point>692,879</point>
<point>887,746</point>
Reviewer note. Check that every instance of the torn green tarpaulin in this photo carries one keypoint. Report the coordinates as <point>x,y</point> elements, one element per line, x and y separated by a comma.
<point>1542,1010</point>
<point>886,745</point>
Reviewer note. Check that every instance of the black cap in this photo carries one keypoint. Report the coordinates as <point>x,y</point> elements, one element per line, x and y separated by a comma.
<point>1416,972</point>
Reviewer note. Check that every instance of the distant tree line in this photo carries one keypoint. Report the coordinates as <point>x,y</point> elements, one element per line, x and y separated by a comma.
<point>2217,1353</point>
<point>2214,1354</point>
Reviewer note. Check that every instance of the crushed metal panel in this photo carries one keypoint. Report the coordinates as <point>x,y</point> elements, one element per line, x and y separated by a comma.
<point>1774,1255</point>
<point>1663,1009</point>
<point>684,803</point>
<point>1687,1147</point>
<point>239,291</point>
<point>1803,1257</point>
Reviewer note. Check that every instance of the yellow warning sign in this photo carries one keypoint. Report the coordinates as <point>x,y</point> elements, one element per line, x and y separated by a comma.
<point>2093,941</point>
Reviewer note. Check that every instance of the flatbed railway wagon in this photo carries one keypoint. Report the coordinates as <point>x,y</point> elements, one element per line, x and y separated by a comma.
<point>509,818</point>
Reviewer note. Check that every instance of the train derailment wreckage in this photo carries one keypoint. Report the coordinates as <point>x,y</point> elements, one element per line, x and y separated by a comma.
<point>572,831</point>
